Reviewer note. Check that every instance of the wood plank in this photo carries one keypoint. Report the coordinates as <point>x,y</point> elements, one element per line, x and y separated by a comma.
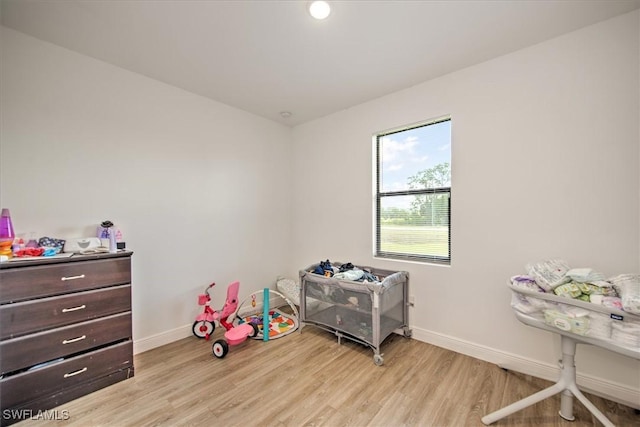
<point>307,379</point>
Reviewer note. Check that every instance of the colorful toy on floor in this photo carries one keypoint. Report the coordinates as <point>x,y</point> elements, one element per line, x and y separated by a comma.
<point>281,314</point>
<point>245,320</point>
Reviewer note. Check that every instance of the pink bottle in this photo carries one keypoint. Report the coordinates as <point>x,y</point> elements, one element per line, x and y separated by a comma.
<point>6,233</point>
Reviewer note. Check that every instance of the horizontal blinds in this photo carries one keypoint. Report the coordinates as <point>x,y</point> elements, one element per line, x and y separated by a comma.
<point>415,226</point>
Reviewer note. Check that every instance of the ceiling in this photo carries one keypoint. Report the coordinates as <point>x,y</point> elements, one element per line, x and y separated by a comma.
<point>266,57</point>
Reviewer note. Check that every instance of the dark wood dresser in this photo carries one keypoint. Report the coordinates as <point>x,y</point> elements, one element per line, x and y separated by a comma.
<point>65,330</point>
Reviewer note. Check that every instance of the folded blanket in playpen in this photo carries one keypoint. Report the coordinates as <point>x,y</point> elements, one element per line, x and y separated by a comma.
<point>349,292</point>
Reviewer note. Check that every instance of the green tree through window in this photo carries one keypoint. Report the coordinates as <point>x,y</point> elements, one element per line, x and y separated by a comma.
<point>432,207</point>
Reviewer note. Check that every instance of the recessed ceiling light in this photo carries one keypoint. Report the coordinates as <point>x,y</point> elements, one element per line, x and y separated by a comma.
<point>285,114</point>
<point>319,9</point>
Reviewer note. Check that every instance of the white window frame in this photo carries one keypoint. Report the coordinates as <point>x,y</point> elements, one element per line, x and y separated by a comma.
<point>379,195</point>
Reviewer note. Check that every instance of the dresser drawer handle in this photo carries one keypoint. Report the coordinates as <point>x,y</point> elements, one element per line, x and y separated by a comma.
<point>72,277</point>
<point>71,374</point>
<point>80,307</point>
<point>74,340</point>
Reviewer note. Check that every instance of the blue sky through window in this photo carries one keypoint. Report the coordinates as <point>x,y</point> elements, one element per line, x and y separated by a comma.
<point>405,153</point>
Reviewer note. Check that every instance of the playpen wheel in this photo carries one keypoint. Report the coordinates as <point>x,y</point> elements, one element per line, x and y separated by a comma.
<point>203,329</point>
<point>255,330</point>
<point>378,360</point>
<point>220,349</point>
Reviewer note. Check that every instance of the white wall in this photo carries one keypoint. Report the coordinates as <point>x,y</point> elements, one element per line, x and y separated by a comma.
<point>196,187</point>
<point>545,163</point>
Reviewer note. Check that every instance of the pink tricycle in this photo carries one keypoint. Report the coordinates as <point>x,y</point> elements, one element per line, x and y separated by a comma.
<point>205,322</point>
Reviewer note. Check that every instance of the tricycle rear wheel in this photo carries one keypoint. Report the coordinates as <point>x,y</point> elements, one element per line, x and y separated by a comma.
<point>255,332</point>
<point>220,349</point>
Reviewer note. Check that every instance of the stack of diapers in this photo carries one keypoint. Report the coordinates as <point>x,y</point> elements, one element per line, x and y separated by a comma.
<point>549,274</point>
<point>600,325</point>
<point>626,333</point>
<point>580,300</point>
<point>628,288</point>
<point>525,304</point>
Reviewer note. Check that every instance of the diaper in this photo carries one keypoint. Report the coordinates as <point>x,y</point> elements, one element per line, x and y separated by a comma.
<point>626,334</point>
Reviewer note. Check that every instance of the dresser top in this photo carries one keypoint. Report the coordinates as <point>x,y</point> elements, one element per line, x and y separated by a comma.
<point>59,260</point>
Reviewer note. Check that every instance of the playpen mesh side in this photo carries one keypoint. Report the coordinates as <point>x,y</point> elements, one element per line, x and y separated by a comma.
<point>349,306</point>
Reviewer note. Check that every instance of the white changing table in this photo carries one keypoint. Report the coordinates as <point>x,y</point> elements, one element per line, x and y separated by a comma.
<point>567,382</point>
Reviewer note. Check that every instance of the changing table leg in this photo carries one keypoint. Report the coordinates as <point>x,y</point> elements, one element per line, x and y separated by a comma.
<point>590,406</point>
<point>521,404</point>
<point>567,376</point>
<point>566,406</point>
<point>566,385</point>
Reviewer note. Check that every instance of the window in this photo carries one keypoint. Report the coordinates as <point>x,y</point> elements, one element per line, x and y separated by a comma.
<point>413,192</point>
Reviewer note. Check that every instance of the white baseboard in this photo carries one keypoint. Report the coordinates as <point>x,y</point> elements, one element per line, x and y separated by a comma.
<point>144,344</point>
<point>597,386</point>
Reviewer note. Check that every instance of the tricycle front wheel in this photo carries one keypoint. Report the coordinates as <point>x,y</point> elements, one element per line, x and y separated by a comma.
<point>203,328</point>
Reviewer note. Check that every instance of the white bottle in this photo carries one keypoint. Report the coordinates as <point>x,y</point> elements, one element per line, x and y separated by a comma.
<point>113,247</point>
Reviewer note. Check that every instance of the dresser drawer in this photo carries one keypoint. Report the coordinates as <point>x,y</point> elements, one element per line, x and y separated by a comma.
<point>46,313</point>
<point>32,385</point>
<point>29,350</point>
<point>18,284</point>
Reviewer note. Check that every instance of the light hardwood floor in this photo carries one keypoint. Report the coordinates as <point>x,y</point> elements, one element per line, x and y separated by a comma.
<point>307,379</point>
